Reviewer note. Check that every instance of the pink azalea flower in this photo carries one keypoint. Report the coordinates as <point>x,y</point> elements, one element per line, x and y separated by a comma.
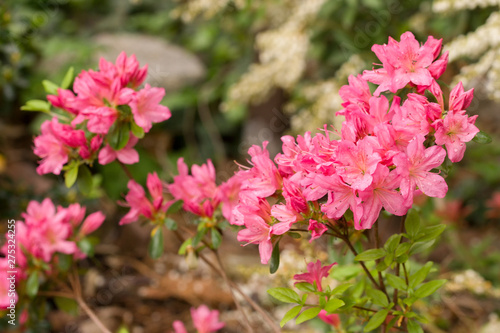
<point>88,150</point>
<point>454,131</point>
<point>91,223</point>
<point>414,168</point>
<point>53,152</point>
<point>340,197</point>
<point>127,68</point>
<point>331,319</point>
<point>65,99</point>
<point>381,193</point>
<point>358,162</point>
<point>146,107</point>
<point>126,155</point>
<point>460,99</point>
<point>412,116</point>
<point>228,195</point>
<point>179,327</point>
<point>356,95</point>
<point>255,214</point>
<point>198,191</point>
<point>405,62</point>
<point>206,320</point>
<point>317,229</point>
<point>140,204</point>
<point>315,273</point>
<point>263,179</point>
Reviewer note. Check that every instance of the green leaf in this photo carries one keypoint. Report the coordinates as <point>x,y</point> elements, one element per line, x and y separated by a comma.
<point>274,263</point>
<point>304,286</point>
<point>123,329</point>
<point>85,181</point>
<point>119,135</point>
<point>86,246</point>
<point>378,297</point>
<point>381,266</point>
<point>32,284</point>
<point>294,235</point>
<point>64,261</point>
<point>183,248</point>
<point>170,223</point>
<point>307,315</point>
<point>199,235</point>
<point>216,238</point>
<point>376,320</point>
<point>68,78</point>
<point>396,281</point>
<point>50,87</point>
<point>429,288</point>
<point>412,223</point>
<point>430,233</point>
<point>414,327</point>
<point>402,248</point>
<point>36,105</point>
<point>292,313</point>
<point>285,295</point>
<point>333,304</point>
<point>70,175</point>
<point>420,275</point>
<point>482,138</point>
<point>372,254</point>
<point>389,258</point>
<point>340,289</point>
<point>155,248</point>
<point>392,243</point>
<point>175,207</point>
<point>419,247</point>
<point>67,305</point>
<point>402,258</point>
<point>137,130</point>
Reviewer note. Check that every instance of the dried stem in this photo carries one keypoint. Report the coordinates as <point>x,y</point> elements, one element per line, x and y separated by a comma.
<point>233,285</point>
<point>236,302</point>
<point>76,294</point>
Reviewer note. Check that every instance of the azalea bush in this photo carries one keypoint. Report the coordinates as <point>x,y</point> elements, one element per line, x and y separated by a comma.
<point>400,136</point>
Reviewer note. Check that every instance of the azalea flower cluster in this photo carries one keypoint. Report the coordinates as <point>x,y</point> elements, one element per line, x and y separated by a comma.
<point>204,320</point>
<point>45,232</point>
<point>103,117</point>
<point>388,148</point>
<point>198,192</point>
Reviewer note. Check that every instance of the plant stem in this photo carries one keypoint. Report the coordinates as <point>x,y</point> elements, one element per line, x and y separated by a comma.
<point>346,240</point>
<point>236,302</point>
<point>233,285</point>
<point>377,245</point>
<point>402,230</point>
<point>127,171</point>
<point>74,280</point>
<point>92,315</point>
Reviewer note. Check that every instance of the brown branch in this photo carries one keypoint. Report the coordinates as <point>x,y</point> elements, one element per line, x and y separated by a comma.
<point>353,250</point>
<point>253,304</point>
<point>236,302</point>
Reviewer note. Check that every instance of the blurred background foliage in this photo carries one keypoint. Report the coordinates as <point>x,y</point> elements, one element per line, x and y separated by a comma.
<point>265,61</point>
